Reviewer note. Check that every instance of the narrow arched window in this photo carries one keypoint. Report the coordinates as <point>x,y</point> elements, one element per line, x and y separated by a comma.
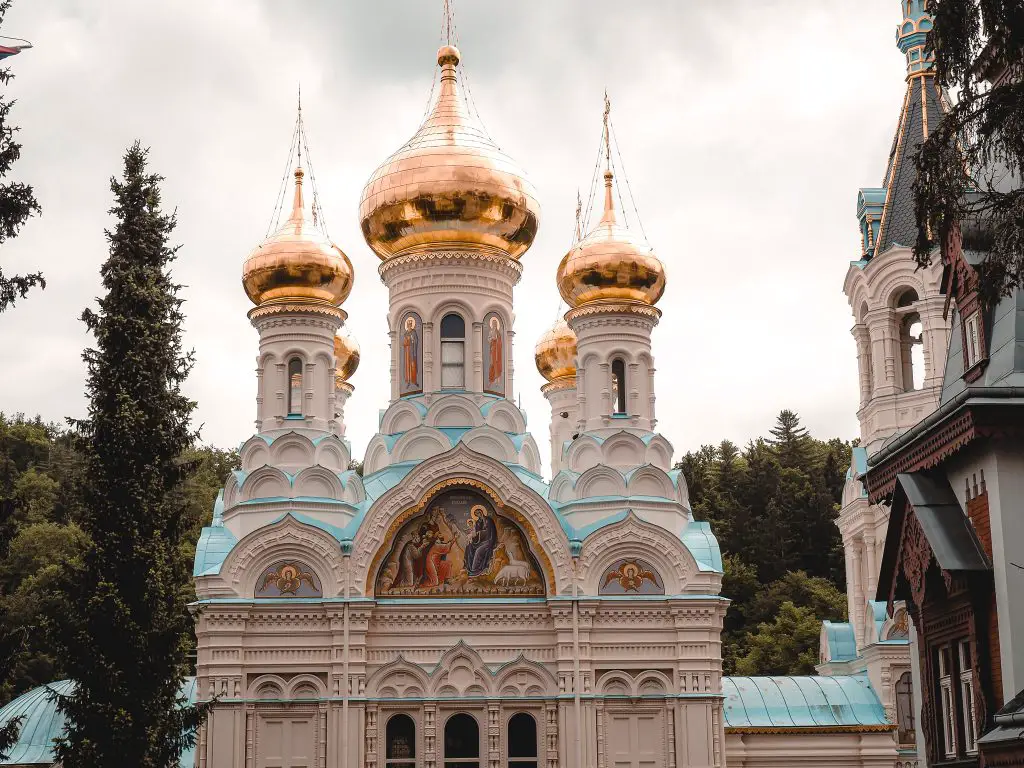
<point>461,742</point>
<point>618,386</point>
<point>522,741</point>
<point>453,352</point>
<point>400,742</point>
<point>295,387</point>
<point>905,731</point>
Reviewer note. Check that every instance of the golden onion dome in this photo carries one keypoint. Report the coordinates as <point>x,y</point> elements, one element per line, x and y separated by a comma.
<point>298,262</point>
<point>555,353</point>
<point>449,185</point>
<point>346,352</point>
<point>611,264</point>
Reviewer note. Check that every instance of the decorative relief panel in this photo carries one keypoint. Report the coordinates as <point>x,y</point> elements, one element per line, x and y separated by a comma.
<point>288,578</point>
<point>459,545</point>
<point>631,576</point>
<point>410,355</point>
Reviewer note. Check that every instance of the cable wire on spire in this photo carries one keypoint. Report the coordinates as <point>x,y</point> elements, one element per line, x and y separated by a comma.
<point>625,177</point>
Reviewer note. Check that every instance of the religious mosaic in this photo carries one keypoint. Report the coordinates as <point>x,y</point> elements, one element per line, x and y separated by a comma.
<point>631,577</point>
<point>494,352</point>
<point>460,545</point>
<point>288,578</point>
<point>410,345</point>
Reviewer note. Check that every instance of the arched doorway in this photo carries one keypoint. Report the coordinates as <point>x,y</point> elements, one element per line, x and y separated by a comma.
<point>461,742</point>
<point>522,741</point>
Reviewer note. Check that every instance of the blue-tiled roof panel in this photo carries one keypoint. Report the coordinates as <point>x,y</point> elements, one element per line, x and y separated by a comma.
<point>842,642</point>
<point>703,545</point>
<point>42,723</point>
<point>801,702</point>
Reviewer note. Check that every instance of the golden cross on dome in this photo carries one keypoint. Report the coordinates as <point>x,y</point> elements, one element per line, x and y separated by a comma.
<point>579,212</point>
<point>607,139</point>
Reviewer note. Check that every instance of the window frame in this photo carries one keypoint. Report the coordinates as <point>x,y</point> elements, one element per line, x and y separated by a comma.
<point>453,343</point>
<point>972,339</point>
<point>968,698</point>
<point>620,405</point>
<point>947,701</point>
<point>399,762</point>
<point>295,408</point>
<point>522,761</point>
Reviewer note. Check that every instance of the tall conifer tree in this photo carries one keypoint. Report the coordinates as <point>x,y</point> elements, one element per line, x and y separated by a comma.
<point>126,627</point>
<point>17,200</point>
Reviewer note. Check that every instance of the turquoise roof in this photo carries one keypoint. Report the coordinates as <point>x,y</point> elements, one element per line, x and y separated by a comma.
<point>703,545</point>
<point>801,702</point>
<point>42,723</point>
<point>215,542</point>
<point>842,643</point>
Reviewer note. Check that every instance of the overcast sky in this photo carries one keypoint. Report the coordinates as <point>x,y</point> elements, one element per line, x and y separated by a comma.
<point>746,128</point>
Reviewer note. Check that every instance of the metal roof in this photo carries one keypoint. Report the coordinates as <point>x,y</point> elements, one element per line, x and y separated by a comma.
<point>841,641</point>
<point>841,702</point>
<point>42,723</point>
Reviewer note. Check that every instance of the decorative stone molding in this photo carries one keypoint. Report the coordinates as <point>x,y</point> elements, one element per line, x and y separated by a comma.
<point>633,537</point>
<point>287,538</point>
<point>460,465</point>
<point>454,258</point>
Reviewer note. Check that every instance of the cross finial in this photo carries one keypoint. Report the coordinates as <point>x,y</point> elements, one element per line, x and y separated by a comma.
<point>447,22</point>
<point>299,125</point>
<point>607,140</point>
<point>579,212</point>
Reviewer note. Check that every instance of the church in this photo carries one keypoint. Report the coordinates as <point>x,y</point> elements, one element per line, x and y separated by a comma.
<point>441,603</point>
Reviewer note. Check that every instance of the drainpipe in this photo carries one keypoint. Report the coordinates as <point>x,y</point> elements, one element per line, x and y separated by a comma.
<point>576,685</point>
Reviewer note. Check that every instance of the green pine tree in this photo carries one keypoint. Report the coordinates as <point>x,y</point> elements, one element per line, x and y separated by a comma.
<point>125,628</point>
<point>17,200</point>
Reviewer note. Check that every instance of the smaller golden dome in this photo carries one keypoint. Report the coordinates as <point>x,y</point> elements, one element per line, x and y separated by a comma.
<point>611,264</point>
<point>298,262</point>
<point>555,353</point>
<point>346,350</point>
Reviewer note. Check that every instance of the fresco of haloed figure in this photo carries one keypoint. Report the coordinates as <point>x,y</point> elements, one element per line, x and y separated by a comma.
<point>459,545</point>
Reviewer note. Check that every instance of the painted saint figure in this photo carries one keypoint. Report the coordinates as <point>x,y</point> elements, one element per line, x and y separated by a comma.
<point>483,538</point>
<point>495,350</point>
<point>411,560</point>
<point>437,569</point>
<point>410,354</point>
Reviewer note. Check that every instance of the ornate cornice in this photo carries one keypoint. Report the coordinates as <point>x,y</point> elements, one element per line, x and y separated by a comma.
<point>283,309</point>
<point>596,308</point>
<point>559,385</point>
<point>416,259</point>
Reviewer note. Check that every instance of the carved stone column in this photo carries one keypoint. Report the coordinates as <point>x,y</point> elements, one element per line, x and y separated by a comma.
<point>429,735</point>
<point>551,734</point>
<point>371,736</point>
<point>493,734</point>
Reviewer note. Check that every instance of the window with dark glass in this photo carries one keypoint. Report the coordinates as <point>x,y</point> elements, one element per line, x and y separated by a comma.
<point>400,742</point>
<point>958,710</point>
<point>618,386</point>
<point>522,741</point>
<point>453,352</point>
<point>295,387</point>
<point>906,735</point>
<point>461,742</point>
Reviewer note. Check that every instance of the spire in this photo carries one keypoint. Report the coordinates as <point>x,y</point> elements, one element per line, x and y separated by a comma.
<point>609,203</point>
<point>911,36</point>
<point>886,213</point>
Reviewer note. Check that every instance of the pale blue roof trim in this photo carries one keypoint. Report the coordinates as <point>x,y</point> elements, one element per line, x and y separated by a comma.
<point>383,480</point>
<point>530,479</point>
<point>801,702</point>
<point>860,460</point>
<point>333,530</point>
<point>842,643</point>
<point>42,723</point>
<point>278,499</point>
<point>703,545</point>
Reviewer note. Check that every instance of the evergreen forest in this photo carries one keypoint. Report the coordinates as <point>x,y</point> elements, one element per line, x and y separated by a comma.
<point>772,506</point>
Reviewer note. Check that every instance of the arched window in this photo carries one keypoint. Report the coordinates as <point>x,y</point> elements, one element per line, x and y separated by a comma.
<point>905,734</point>
<point>400,742</point>
<point>522,741</point>
<point>453,352</point>
<point>295,387</point>
<point>618,386</point>
<point>461,742</point>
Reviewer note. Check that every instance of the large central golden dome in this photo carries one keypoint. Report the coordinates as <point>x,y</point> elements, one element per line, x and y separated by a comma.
<point>449,185</point>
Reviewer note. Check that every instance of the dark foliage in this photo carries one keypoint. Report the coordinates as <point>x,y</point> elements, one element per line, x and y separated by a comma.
<point>970,168</point>
<point>773,507</point>
<point>124,631</point>
<point>17,200</point>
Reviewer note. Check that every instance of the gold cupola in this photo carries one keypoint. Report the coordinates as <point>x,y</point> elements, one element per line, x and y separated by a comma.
<point>555,353</point>
<point>611,264</point>
<point>346,353</point>
<point>298,262</point>
<point>449,186</point>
